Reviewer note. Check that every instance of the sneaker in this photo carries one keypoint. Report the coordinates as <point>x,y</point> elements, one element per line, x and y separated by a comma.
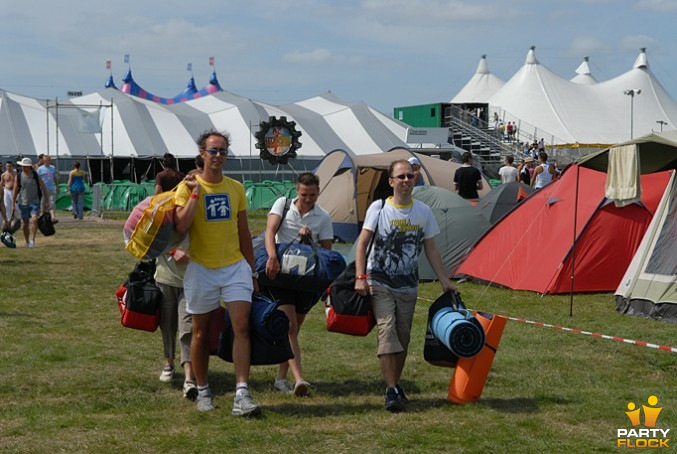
<point>30,244</point>
<point>282,385</point>
<point>167,374</point>
<point>244,405</point>
<point>204,401</point>
<point>190,390</point>
<point>393,401</point>
<point>301,388</point>
<point>403,397</point>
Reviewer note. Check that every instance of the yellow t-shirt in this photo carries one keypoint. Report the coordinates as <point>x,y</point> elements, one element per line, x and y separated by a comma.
<point>214,239</point>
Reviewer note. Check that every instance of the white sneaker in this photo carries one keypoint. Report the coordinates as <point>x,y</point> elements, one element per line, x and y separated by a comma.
<point>204,402</point>
<point>167,374</point>
<point>244,405</point>
<point>282,385</point>
<point>301,388</point>
<point>190,390</point>
<point>30,244</point>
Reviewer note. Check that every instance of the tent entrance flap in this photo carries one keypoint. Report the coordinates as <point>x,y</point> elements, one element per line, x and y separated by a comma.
<point>372,184</point>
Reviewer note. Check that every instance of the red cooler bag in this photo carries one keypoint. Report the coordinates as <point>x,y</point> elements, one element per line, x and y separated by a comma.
<point>139,299</point>
<point>347,312</point>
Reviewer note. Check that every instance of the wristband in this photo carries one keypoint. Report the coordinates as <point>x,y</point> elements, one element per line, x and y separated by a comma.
<point>361,276</point>
<point>194,196</point>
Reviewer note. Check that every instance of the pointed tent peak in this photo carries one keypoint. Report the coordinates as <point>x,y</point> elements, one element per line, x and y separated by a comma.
<point>584,68</point>
<point>128,77</point>
<point>531,56</point>
<point>190,86</point>
<point>214,81</point>
<point>642,62</point>
<point>483,67</point>
<point>110,83</point>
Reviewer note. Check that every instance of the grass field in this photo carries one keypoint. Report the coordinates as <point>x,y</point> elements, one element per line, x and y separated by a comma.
<point>74,380</point>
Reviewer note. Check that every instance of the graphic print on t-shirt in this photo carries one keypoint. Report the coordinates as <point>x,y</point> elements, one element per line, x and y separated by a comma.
<point>217,207</point>
<point>396,251</point>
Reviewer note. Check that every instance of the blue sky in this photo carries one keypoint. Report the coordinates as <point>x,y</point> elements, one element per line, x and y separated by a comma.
<point>386,53</point>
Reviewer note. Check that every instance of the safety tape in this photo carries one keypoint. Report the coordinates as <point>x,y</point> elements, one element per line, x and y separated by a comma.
<point>664,348</point>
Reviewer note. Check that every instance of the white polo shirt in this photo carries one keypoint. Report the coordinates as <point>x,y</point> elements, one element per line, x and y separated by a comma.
<point>317,219</point>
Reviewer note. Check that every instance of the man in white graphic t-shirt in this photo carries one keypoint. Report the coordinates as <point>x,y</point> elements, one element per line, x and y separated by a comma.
<point>390,273</point>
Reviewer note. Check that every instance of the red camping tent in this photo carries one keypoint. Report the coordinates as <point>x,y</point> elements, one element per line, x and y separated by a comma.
<point>531,248</point>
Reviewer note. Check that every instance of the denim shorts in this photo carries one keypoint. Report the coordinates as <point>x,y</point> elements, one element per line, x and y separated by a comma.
<point>30,210</point>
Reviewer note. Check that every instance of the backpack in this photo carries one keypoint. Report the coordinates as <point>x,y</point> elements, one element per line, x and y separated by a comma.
<point>35,177</point>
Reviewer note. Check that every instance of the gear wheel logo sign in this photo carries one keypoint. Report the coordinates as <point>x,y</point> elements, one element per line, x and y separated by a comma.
<point>277,140</point>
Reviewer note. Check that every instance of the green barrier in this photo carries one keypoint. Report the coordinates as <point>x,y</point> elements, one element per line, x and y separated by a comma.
<point>262,196</point>
<point>63,198</point>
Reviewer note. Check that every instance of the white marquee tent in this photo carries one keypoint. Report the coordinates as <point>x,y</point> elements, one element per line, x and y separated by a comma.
<point>579,112</point>
<point>481,86</point>
<point>131,126</point>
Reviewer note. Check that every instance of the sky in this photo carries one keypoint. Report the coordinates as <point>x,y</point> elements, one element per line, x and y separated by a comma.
<point>386,53</point>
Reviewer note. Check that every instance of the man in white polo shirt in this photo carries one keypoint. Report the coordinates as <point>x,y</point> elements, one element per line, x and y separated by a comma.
<point>304,220</point>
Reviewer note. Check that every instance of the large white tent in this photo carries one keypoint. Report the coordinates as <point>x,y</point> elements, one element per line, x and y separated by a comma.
<point>579,112</point>
<point>481,86</point>
<point>131,126</point>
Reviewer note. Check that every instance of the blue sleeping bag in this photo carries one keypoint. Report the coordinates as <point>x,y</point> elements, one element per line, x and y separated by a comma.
<point>268,332</point>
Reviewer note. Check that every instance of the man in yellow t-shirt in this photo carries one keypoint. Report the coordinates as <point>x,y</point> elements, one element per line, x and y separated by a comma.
<point>213,210</point>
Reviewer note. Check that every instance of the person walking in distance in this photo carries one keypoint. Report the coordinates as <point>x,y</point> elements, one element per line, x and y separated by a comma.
<point>390,273</point>
<point>7,182</point>
<point>76,186</point>
<point>213,210</point>
<point>468,179</point>
<point>28,190</point>
<point>544,173</point>
<point>50,177</point>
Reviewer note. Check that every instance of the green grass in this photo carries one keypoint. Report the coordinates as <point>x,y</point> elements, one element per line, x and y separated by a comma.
<point>73,379</point>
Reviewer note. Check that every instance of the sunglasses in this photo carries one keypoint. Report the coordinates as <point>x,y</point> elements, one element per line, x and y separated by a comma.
<point>406,176</point>
<point>215,151</point>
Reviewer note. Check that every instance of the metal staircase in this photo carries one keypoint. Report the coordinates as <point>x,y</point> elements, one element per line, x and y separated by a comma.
<point>472,134</point>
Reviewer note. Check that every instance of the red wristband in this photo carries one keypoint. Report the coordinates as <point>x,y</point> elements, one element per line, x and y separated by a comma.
<point>194,196</point>
<point>361,276</point>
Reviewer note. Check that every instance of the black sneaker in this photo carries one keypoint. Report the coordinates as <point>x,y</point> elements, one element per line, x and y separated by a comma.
<point>393,401</point>
<point>403,397</point>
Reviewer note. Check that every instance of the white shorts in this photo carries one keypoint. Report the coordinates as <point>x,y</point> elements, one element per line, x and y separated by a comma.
<point>52,201</point>
<point>205,287</point>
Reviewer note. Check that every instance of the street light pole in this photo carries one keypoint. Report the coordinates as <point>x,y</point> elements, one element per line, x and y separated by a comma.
<point>662,123</point>
<point>632,92</point>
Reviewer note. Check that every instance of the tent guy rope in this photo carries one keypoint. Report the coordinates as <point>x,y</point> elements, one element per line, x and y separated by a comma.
<point>664,348</point>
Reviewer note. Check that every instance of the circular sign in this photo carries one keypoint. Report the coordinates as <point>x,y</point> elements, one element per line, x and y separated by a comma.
<point>277,140</point>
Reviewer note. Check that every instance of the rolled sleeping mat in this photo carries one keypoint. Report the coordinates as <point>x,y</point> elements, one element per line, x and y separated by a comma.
<point>471,374</point>
<point>457,330</point>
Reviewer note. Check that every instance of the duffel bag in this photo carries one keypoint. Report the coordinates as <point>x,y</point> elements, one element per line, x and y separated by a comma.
<point>306,267</point>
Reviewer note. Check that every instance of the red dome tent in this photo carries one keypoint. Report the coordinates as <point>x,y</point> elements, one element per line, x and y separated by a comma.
<point>531,248</point>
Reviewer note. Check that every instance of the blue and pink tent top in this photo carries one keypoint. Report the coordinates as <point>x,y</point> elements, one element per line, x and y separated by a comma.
<point>130,86</point>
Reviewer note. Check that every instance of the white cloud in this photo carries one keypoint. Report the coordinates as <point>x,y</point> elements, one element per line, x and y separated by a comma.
<point>635,42</point>
<point>661,6</point>
<point>320,56</point>
<point>582,46</point>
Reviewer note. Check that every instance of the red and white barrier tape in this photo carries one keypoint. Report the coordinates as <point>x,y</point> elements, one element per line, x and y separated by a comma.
<point>664,348</point>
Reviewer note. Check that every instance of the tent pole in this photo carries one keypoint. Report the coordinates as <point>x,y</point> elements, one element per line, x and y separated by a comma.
<point>573,248</point>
